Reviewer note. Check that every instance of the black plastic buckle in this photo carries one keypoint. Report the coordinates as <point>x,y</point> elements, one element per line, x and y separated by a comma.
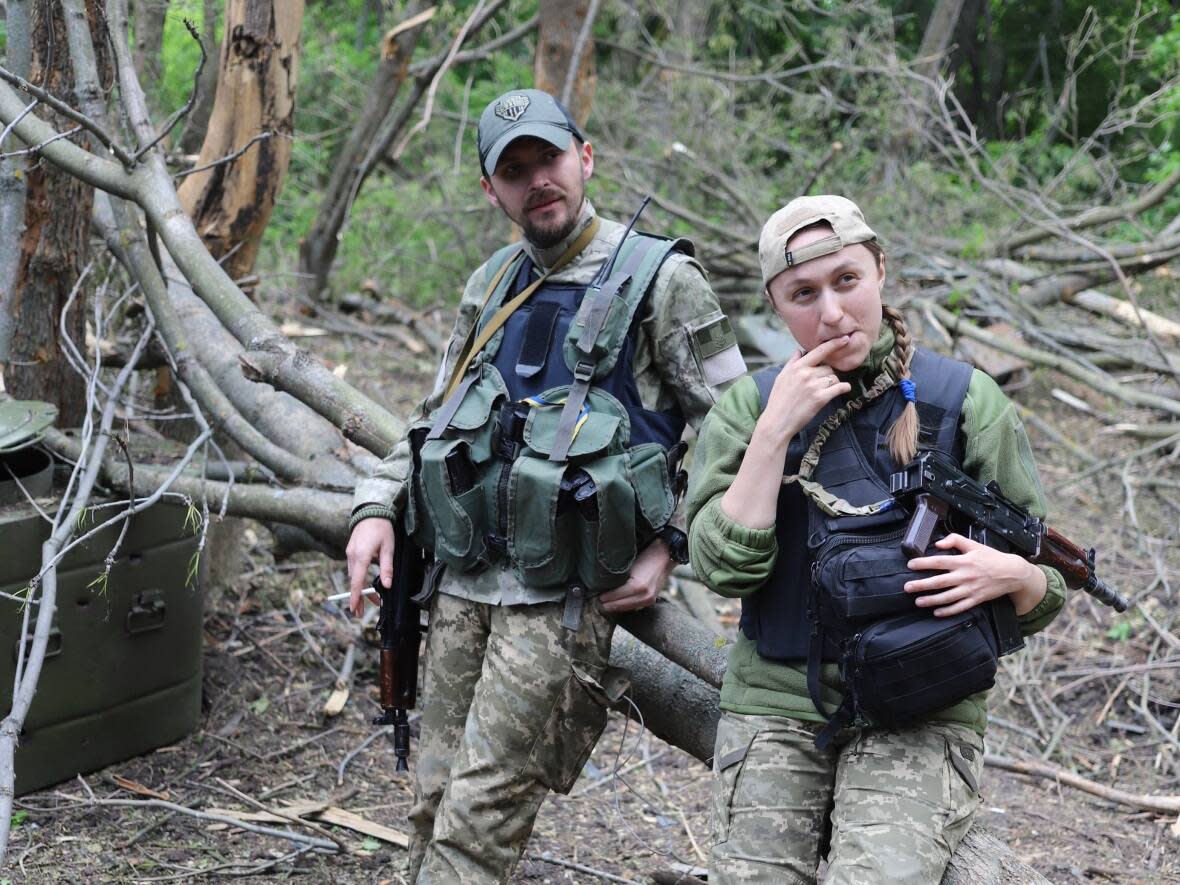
<point>584,371</point>
<point>509,434</point>
<point>497,545</point>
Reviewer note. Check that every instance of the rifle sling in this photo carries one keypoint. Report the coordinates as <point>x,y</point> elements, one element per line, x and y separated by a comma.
<point>596,315</point>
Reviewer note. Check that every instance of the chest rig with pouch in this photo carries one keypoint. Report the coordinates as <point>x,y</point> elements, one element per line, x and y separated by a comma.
<point>840,596</point>
<point>543,458</point>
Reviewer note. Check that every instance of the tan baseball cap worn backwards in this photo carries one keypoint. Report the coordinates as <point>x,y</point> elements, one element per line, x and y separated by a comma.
<point>521,113</point>
<point>848,226</point>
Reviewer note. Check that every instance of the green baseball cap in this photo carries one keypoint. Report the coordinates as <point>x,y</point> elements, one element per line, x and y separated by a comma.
<point>847,222</point>
<point>518,114</point>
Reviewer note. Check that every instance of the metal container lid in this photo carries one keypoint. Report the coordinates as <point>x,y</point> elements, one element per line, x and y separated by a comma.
<point>24,422</point>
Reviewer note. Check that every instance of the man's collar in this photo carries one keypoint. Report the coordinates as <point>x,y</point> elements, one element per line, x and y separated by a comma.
<point>544,258</point>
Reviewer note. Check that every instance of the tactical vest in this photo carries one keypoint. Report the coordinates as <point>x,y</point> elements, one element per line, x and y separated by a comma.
<point>841,595</point>
<point>855,464</point>
<point>491,484</point>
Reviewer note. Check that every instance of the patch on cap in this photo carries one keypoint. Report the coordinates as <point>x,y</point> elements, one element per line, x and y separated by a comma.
<point>511,107</point>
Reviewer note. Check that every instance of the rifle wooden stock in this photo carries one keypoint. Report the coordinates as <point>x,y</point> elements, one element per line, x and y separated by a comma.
<point>1058,552</point>
<point>400,629</point>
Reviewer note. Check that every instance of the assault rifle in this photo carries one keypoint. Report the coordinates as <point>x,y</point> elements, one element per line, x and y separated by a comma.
<point>935,489</point>
<point>401,633</point>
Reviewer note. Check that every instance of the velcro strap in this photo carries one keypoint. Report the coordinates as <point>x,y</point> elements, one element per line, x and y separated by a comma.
<point>597,313</point>
<point>819,248</point>
<point>571,412</point>
<point>538,336</point>
<point>451,406</point>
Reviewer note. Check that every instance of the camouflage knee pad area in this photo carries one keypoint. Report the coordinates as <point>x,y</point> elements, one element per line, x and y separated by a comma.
<point>899,802</point>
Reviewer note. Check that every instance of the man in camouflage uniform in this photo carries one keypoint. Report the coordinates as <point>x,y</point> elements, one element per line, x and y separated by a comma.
<point>517,683</point>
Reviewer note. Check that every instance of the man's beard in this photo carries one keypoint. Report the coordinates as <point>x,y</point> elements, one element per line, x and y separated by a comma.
<point>547,235</point>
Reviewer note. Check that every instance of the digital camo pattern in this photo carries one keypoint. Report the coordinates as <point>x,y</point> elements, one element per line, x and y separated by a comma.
<point>513,704</point>
<point>899,802</point>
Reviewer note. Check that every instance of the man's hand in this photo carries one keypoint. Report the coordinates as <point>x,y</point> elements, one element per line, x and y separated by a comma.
<point>371,539</point>
<point>648,574</point>
<point>975,574</point>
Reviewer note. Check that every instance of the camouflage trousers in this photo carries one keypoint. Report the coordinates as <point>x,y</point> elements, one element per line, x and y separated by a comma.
<point>512,706</point>
<point>892,805</point>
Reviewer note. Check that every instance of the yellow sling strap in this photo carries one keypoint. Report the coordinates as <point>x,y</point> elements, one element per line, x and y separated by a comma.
<point>470,347</point>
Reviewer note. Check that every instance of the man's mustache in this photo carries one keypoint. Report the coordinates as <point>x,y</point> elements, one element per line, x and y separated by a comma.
<point>541,197</point>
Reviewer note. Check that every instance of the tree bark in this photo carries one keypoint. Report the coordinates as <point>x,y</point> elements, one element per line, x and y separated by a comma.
<point>54,244</point>
<point>558,29</point>
<point>317,251</point>
<point>148,19</point>
<point>230,204</point>
<point>13,173</point>
<point>937,36</point>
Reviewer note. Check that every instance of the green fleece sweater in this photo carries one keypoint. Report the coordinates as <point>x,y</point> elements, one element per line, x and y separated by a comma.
<point>735,561</point>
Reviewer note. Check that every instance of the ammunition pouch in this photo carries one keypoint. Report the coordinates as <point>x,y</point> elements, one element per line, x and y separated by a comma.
<point>486,490</point>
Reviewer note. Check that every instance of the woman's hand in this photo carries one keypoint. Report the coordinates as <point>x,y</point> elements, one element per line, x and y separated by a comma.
<point>803,387</point>
<point>971,573</point>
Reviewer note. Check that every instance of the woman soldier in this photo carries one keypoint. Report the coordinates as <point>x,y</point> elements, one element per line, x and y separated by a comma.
<point>890,803</point>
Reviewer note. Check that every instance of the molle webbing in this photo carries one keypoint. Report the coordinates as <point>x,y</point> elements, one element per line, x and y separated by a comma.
<point>777,617</point>
<point>630,284</point>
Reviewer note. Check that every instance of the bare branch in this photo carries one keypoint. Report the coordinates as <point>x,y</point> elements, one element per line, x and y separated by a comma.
<point>228,158</point>
<point>188,105</point>
<point>66,111</point>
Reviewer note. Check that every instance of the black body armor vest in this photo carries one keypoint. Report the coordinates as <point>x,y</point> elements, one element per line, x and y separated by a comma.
<point>530,360</point>
<point>854,464</point>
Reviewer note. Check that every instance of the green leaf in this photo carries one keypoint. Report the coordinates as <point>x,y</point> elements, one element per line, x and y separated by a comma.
<point>261,705</point>
<point>1120,632</point>
<point>18,818</point>
<point>370,844</point>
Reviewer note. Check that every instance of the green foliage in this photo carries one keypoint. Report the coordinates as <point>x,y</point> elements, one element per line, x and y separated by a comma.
<point>194,565</point>
<point>729,147</point>
<point>101,582</point>
<point>18,818</point>
<point>1120,631</point>
<point>180,55</point>
<point>260,706</point>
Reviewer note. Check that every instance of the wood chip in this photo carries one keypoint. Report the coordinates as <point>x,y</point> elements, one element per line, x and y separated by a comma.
<point>139,789</point>
<point>322,813</point>
<point>335,702</point>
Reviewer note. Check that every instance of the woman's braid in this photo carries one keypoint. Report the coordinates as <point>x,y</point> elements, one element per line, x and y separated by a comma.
<point>903,435</point>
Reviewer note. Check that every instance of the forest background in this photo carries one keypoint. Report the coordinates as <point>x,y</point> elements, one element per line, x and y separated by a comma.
<point>1020,162</point>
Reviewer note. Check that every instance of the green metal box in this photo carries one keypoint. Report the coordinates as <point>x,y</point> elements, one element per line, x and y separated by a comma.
<point>123,671</point>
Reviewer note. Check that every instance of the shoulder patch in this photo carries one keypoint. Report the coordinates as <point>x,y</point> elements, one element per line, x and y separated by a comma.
<point>714,337</point>
<point>715,344</point>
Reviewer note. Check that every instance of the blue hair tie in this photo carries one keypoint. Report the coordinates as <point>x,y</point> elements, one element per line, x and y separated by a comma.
<point>908,389</point>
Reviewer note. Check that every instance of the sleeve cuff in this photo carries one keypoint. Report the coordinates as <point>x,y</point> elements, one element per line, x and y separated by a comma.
<point>370,511</point>
<point>1039,616</point>
<point>755,540</point>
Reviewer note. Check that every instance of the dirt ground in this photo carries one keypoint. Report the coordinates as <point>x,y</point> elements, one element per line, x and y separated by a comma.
<point>1087,695</point>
